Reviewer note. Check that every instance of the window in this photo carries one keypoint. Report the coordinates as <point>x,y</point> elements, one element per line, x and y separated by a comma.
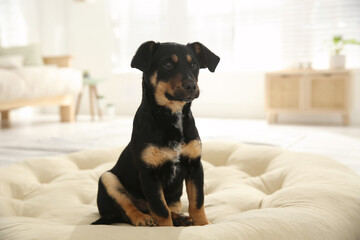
<point>247,35</point>
<point>134,22</point>
<point>13,28</point>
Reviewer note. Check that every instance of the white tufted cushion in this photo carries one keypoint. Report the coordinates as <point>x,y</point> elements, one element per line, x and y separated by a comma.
<point>252,192</point>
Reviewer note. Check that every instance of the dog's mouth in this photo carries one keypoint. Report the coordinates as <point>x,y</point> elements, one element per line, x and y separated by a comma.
<point>180,98</point>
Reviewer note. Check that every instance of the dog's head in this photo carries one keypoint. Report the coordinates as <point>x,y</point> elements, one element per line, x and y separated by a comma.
<point>172,70</point>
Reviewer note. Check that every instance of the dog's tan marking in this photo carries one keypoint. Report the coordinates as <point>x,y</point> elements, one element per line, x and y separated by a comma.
<point>155,156</point>
<point>174,58</point>
<point>175,82</point>
<point>153,79</point>
<point>161,221</point>
<point>197,214</point>
<point>169,87</point>
<point>117,192</point>
<point>160,90</point>
<point>175,207</point>
<point>188,58</point>
<point>192,150</point>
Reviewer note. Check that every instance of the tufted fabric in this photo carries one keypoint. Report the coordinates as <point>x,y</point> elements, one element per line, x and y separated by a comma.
<point>252,192</point>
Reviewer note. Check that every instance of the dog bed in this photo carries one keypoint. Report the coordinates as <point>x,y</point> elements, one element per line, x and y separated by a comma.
<point>252,192</point>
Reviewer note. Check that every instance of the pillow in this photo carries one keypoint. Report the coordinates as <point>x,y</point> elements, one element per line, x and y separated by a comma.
<point>31,54</point>
<point>11,61</point>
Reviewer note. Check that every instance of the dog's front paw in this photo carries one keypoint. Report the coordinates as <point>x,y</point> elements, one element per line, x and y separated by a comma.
<point>145,221</point>
<point>180,219</point>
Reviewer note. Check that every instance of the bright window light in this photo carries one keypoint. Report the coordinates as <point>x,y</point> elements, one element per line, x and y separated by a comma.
<point>257,35</point>
<point>13,28</point>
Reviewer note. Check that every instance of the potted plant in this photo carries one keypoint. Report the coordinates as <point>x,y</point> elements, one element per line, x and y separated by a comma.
<point>337,60</point>
<point>86,74</point>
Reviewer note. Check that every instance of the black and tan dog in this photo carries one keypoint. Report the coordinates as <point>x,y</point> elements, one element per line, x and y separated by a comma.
<point>145,185</point>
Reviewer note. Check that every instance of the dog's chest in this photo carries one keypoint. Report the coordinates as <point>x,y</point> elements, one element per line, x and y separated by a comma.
<point>169,172</point>
<point>172,146</point>
<point>175,136</point>
<point>178,122</point>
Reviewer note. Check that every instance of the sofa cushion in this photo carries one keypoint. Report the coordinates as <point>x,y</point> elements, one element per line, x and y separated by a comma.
<point>31,54</point>
<point>251,192</point>
<point>11,61</point>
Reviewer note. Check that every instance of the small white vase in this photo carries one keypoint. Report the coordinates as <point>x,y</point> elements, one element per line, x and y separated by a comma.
<point>111,110</point>
<point>337,61</point>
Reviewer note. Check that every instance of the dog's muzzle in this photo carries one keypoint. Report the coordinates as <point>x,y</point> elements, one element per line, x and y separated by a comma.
<point>186,93</point>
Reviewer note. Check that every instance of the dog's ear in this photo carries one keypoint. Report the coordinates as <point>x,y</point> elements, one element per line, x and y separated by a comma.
<point>206,58</point>
<point>142,58</point>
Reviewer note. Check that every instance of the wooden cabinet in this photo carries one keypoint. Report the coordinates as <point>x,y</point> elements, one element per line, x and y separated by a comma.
<point>307,91</point>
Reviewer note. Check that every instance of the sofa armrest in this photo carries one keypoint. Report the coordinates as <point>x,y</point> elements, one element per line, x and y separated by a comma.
<point>60,61</point>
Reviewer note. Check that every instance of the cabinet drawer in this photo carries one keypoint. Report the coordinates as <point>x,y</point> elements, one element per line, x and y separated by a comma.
<point>283,91</point>
<point>328,92</point>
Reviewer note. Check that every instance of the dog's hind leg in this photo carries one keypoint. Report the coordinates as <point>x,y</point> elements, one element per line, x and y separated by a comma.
<point>119,194</point>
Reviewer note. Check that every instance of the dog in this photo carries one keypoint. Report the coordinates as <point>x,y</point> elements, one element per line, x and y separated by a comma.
<point>145,185</point>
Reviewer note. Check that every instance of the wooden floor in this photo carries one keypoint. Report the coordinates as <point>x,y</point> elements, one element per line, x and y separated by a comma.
<point>43,135</point>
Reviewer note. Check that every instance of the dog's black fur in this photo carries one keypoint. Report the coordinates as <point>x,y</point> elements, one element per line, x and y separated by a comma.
<point>145,185</point>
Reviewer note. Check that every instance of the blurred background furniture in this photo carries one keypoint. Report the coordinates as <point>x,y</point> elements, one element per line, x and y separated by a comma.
<point>30,83</point>
<point>60,61</point>
<point>93,96</point>
<point>307,91</point>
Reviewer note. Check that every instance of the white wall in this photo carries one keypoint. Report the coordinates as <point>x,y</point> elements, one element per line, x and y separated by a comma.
<point>78,28</point>
<point>238,94</point>
<point>53,27</point>
<point>221,94</point>
<point>89,36</point>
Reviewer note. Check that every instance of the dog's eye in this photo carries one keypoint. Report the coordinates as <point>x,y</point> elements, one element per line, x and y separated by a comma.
<point>193,66</point>
<point>168,65</point>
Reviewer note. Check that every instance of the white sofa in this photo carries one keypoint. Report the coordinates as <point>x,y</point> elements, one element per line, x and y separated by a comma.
<point>25,83</point>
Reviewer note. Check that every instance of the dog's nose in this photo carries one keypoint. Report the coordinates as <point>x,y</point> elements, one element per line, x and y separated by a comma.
<point>190,86</point>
